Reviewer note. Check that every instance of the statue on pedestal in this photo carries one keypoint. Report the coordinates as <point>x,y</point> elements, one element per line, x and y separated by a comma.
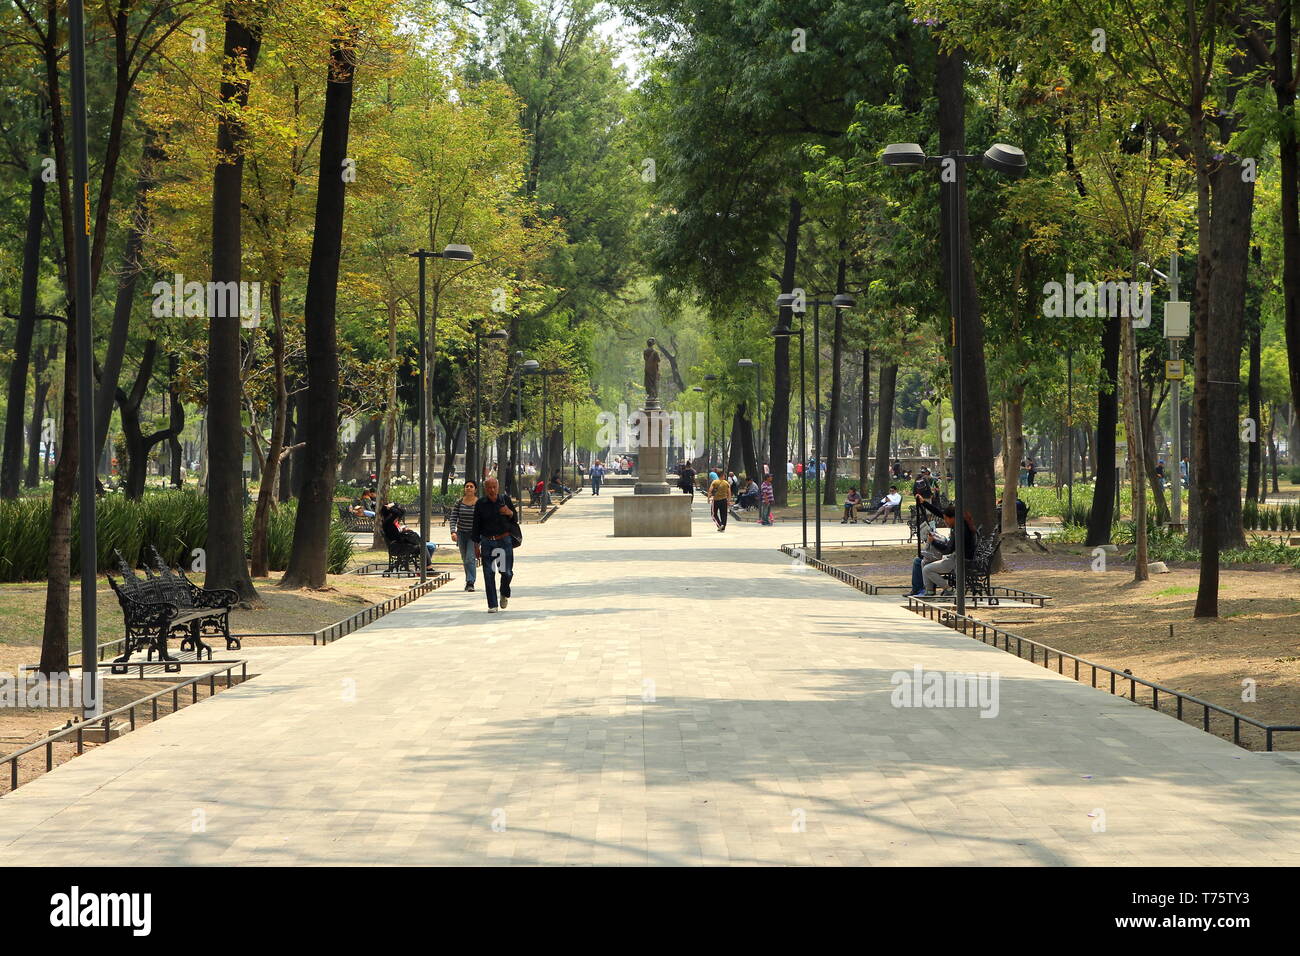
<point>651,356</point>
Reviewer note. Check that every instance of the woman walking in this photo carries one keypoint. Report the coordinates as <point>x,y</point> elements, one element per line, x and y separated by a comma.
<point>462,526</point>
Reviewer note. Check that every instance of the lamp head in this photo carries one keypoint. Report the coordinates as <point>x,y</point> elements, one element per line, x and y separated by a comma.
<point>1007,160</point>
<point>746,363</point>
<point>458,252</point>
<point>903,155</point>
<point>844,301</point>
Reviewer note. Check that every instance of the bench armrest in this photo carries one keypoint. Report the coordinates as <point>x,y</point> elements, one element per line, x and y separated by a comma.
<point>215,597</point>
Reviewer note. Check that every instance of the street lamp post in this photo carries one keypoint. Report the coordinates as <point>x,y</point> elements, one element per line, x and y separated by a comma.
<point>1010,161</point>
<point>457,253</point>
<point>780,332</point>
<point>841,301</point>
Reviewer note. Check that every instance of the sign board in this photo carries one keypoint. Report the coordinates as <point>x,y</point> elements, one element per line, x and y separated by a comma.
<point>1174,370</point>
<point>1178,320</point>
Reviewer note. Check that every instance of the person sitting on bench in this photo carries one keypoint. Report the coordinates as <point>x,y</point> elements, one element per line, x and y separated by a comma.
<point>932,573</point>
<point>391,518</point>
<point>888,503</point>
<point>852,502</point>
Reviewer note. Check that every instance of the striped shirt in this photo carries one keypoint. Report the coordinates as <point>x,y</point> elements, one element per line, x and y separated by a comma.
<point>462,517</point>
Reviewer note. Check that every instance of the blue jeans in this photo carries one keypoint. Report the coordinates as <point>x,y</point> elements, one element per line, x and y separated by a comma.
<point>467,557</point>
<point>918,582</point>
<point>595,484</point>
<point>498,556</point>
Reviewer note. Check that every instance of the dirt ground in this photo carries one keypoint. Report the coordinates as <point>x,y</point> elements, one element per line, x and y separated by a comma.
<point>1108,618</point>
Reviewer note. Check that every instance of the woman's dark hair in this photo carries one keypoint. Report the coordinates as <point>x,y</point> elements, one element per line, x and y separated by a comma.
<point>471,481</point>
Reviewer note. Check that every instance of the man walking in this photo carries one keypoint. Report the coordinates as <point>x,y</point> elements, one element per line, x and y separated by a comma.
<point>493,515</point>
<point>719,499</point>
<point>597,476</point>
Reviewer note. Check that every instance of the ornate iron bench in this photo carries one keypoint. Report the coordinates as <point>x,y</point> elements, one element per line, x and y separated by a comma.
<point>167,603</point>
<point>977,567</point>
<point>355,522</point>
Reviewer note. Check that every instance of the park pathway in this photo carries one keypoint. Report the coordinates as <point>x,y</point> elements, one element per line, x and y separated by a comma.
<point>655,701</point>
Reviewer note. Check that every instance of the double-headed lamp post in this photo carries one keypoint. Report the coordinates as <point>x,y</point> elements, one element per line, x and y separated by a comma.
<point>843,301</point>
<point>496,335</point>
<point>457,253</point>
<point>781,332</point>
<point>1009,161</point>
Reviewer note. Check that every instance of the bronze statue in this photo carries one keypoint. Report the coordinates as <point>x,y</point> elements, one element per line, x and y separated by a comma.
<point>651,356</point>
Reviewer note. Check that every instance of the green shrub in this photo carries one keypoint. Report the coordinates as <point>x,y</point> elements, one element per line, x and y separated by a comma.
<point>174,521</point>
<point>1293,473</point>
<point>279,539</point>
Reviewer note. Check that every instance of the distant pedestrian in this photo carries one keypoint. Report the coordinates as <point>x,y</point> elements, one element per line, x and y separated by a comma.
<point>686,480</point>
<point>462,530</point>
<point>597,476</point>
<point>494,518</point>
<point>719,500</point>
<point>766,498</point>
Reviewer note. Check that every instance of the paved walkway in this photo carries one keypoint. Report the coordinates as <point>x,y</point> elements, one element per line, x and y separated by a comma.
<point>663,701</point>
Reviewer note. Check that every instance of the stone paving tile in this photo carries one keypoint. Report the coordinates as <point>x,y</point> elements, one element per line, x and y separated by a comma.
<point>648,702</point>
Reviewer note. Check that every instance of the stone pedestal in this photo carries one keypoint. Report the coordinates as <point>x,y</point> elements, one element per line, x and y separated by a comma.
<point>652,516</point>
<point>652,451</point>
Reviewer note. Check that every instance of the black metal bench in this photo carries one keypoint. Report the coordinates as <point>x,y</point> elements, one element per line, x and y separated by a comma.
<point>404,555</point>
<point>977,567</point>
<point>166,602</point>
<point>355,522</point>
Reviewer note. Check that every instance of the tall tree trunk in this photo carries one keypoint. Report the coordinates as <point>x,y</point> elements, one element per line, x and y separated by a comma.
<point>1013,451</point>
<point>1289,179</point>
<point>1232,199</point>
<point>1255,393</point>
<point>833,414</point>
<point>309,560</point>
<point>259,551</point>
<point>1102,515</point>
<point>1207,592</point>
<point>864,439</point>
<point>884,429</point>
<point>391,424</point>
<point>289,468</point>
<point>979,489</point>
<point>128,405</point>
<point>779,426</point>
<point>226,564</point>
<point>54,635</point>
<point>176,420</point>
<point>111,370</point>
<point>11,465</point>
<point>45,357</point>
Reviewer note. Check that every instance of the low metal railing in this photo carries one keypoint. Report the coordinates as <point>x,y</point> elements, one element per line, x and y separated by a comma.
<point>866,587</point>
<point>981,630</point>
<point>373,613</point>
<point>78,730</point>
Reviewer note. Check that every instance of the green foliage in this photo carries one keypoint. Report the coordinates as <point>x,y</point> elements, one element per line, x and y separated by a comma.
<point>279,540</point>
<point>175,522</point>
